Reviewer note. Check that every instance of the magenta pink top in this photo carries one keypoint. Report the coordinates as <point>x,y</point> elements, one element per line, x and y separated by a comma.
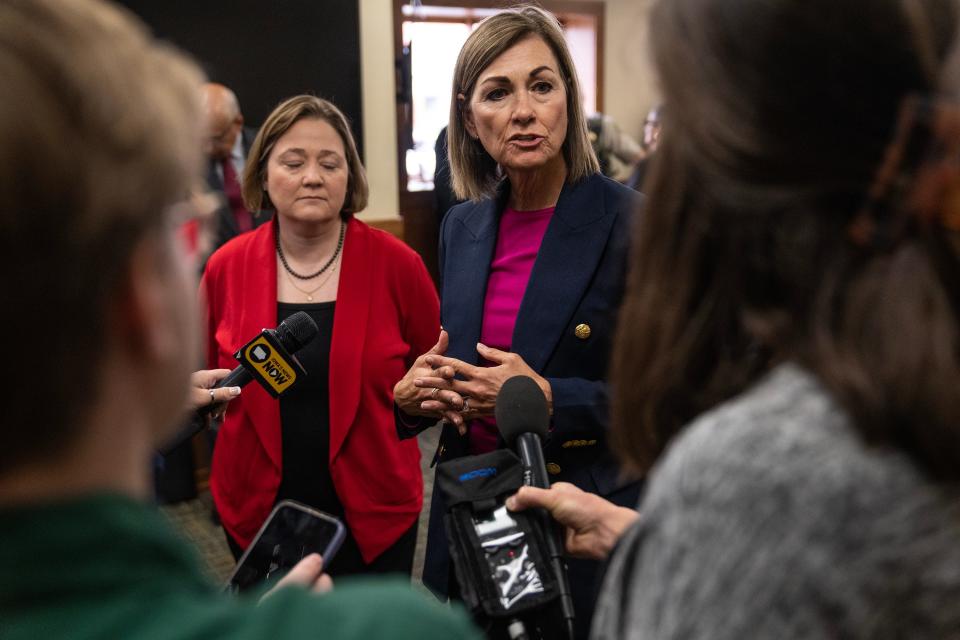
<point>518,241</point>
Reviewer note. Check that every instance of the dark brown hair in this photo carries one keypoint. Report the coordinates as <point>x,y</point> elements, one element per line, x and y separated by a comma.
<point>285,115</point>
<point>778,116</point>
<point>99,135</point>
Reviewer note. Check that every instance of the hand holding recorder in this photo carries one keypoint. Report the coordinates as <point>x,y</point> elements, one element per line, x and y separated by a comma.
<point>591,524</point>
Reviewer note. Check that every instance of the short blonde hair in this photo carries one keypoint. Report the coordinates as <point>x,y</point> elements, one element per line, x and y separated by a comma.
<point>474,173</point>
<point>287,114</point>
<point>99,135</point>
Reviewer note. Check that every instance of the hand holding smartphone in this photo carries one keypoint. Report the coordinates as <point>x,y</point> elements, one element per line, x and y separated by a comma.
<point>291,532</point>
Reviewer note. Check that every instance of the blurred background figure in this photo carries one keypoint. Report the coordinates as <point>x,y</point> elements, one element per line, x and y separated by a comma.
<point>99,145</point>
<point>651,140</point>
<point>651,129</point>
<point>331,442</point>
<point>227,143</point>
<point>617,152</point>
<point>532,269</point>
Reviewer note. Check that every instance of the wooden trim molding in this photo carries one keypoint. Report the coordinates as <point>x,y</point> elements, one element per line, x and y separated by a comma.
<point>393,226</point>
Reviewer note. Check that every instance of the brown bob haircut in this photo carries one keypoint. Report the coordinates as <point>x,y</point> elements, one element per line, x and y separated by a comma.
<point>745,257</point>
<point>474,173</point>
<point>287,114</point>
<point>99,136</point>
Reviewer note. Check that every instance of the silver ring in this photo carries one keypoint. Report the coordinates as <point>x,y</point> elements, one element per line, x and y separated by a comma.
<point>466,406</point>
<point>213,398</point>
<point>433,394</point>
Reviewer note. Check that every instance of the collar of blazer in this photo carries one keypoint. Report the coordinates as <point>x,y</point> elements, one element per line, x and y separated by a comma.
<point>572,248</point>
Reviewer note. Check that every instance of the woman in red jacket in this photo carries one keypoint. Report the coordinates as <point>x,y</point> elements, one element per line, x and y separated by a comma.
<point>330,441</point>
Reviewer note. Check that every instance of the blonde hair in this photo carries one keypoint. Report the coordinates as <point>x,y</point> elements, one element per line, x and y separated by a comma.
<point>99,135</point>
<point>474,172</point>
<point>287,114</point>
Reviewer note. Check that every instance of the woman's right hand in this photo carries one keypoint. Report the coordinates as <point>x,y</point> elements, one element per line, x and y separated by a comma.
<point>308,573</point>
<point>593,525</point>
<point>432,403</point>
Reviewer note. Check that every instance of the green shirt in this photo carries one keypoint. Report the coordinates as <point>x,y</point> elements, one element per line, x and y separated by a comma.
<point>110,567</point>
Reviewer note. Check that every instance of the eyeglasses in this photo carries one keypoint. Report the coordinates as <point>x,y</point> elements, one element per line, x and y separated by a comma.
<point>199,204</point>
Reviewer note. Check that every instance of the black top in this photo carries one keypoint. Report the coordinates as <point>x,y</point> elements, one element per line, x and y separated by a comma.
<point>305,417</point>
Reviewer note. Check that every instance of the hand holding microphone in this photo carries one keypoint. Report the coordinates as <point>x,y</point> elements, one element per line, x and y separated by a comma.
<point>290,336</point>
<point>204,391</point>
<point>592,525</point>
<point>269,356</point>
<point>523,418</point>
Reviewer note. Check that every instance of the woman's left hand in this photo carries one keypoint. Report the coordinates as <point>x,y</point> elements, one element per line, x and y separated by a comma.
<point>480,385</point>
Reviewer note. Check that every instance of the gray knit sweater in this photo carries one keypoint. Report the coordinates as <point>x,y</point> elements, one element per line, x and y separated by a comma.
<point>768,518</point>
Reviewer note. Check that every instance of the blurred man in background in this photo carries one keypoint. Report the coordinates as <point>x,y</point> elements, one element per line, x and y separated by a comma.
<point>226,144</point>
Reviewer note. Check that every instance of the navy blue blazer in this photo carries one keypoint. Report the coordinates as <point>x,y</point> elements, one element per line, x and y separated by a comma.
<point>577,279</point>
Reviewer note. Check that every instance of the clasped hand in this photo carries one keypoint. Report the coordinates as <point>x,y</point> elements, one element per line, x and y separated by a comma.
<point>451,389</point>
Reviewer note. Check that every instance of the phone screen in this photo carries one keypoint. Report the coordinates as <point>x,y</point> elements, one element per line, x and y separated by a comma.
<point>291,532</point>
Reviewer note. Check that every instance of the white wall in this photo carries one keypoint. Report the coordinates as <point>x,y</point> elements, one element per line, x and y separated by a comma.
<point>379,108</point>
<point>629,89</point>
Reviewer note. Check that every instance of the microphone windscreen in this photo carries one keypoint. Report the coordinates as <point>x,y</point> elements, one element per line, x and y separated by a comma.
<point>521,408</point>
<point>296,331</point>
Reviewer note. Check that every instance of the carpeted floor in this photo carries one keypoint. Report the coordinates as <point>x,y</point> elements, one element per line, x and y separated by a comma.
<point>194,520</point>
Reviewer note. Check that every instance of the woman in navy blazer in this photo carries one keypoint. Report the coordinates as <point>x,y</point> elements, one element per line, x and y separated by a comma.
<point>519,151</point>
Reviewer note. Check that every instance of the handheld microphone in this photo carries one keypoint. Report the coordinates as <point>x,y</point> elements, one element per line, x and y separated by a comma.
<point>291,335</point>
<point>523,419</point>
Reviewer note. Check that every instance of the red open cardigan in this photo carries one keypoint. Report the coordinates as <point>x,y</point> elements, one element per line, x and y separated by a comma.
<point>387,314</point>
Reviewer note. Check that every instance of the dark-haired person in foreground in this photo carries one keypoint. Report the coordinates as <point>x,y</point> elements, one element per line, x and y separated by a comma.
<point>793,302</point>
<point>99,140</point>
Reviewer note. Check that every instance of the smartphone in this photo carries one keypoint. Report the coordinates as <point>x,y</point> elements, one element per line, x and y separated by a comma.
<point>291,532</point>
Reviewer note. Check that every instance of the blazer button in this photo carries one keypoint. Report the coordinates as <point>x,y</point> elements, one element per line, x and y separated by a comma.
<point>553,468</point>
<point>582,331</point>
